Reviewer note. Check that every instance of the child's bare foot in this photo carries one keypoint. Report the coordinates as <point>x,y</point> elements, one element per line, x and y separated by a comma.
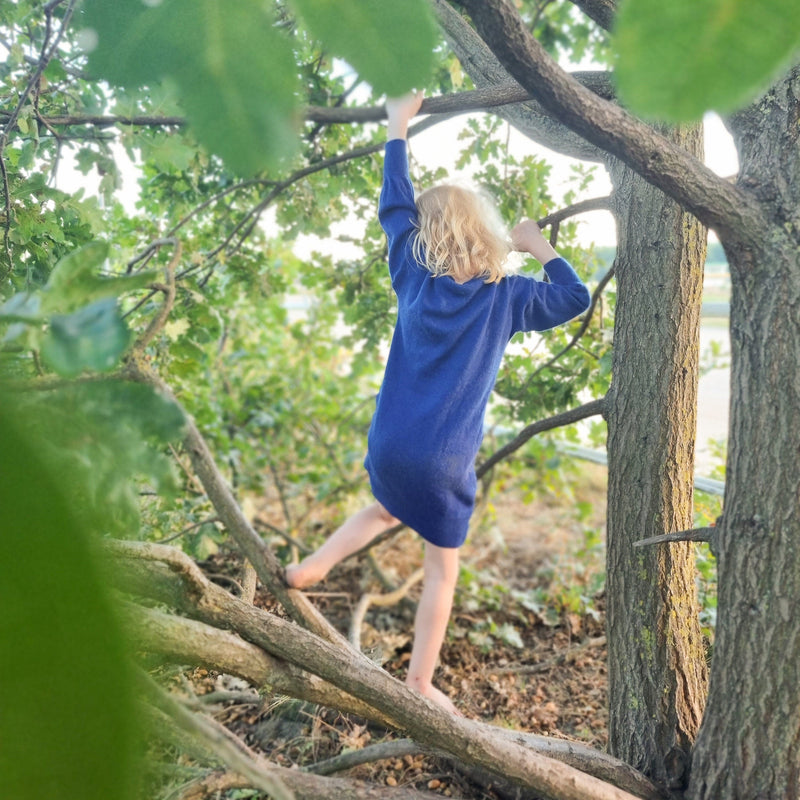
<point>302,575</point>
<point>438,697</point>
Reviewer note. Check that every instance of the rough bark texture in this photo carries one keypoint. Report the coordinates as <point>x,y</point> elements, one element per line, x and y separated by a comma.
<point>657,671</point>
<point>485,70</point>
<point>749,744</point>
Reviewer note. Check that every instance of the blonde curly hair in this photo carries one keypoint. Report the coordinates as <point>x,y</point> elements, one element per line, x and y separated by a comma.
<point>460,234</point>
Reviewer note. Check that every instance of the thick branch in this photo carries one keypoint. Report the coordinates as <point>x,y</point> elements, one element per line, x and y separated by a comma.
<point>186,641</point>
<point>531,119</point>
<point>600,11</point>
<point>711,199</point>
<point>591,409</point>
<point>355,674</point>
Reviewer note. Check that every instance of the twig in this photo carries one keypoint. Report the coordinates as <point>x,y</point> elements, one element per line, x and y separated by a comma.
<point>695,535</point>
<point>396,748</point>
<point>231,750</point>
<point>158,321</point>
<point>563,658</point>
<point>249,581</point>
<point>188,528</point>
<point>587,318</point>
<point>258,523</point>
<point>388,599</point>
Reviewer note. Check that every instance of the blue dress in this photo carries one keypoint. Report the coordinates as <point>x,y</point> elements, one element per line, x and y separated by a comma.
<point>442,365</point>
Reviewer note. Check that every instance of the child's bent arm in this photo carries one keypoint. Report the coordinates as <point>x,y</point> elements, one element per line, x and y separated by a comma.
<point>400,111</point>
<point>528,238</point>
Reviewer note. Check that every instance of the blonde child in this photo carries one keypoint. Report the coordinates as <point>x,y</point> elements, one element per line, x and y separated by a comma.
<point>457,310</point>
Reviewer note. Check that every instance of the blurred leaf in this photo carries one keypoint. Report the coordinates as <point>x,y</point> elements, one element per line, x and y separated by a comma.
<point>235,72</point>
<point>389,44</point>
<point>68,726</point>
<point>92,338</point>
<point>74,281</point>
<point>682,58</point>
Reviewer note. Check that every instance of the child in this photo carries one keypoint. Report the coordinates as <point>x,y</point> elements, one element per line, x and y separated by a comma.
<point>457,311</point>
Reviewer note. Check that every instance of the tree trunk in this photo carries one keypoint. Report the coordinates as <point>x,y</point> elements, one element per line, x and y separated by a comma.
<point>657,669</point>
<point>749,744</point>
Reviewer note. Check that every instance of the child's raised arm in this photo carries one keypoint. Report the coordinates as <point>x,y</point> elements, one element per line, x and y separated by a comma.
<point>400,110</point>
<point>526,237</point>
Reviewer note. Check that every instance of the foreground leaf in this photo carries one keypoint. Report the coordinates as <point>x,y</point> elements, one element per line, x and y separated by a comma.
<point>68,724</point>
<point>389,44</point>
<point>682,58</point>
<point>92,338</point>
<point>235,73</point>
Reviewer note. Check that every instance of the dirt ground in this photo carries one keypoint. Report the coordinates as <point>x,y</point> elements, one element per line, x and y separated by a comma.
<point>525,648</point>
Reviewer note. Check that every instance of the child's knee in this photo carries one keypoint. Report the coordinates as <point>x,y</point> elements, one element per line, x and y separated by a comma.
<point>385,516</point>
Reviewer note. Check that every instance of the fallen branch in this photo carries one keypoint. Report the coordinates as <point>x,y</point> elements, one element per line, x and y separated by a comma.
<point>185,587</point>
<point>266,565</point>
<point>562,658</point>
<point>396,748</point>
<point>383,600</point>
<point>231,750</point>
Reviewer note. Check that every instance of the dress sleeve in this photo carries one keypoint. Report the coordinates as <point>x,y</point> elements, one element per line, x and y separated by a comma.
<point>539,306</point>
<point>397,213</point>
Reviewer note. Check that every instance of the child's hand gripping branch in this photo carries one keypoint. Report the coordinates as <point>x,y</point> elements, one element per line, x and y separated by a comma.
<point>526,237</point>
<point>400,111</point>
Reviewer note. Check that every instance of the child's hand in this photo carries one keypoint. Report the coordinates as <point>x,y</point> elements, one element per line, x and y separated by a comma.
<point>404,107</point>
<point>400,110</point>
<point>528,238</point>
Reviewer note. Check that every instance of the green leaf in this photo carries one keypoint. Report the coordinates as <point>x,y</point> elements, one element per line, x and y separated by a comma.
<point>684,57</point>
<point>125,41</point>
<point>74,282</point>
<point>235,73</point>
<point>69,724</point>
<point>389,44</point>
<point>92,338</point>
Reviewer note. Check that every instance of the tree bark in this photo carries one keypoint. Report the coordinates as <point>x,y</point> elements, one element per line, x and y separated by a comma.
<point>657,668</point>
<point>749,743</point>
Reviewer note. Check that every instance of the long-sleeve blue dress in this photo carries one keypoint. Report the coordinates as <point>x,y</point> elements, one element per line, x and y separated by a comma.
<point>442,365</point>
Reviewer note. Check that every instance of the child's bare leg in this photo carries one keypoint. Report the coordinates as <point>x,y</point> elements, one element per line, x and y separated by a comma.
<point>430,625</point>
<point>357,532</point>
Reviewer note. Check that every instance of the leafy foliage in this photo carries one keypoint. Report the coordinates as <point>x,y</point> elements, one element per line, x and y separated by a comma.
<point>680,59</point>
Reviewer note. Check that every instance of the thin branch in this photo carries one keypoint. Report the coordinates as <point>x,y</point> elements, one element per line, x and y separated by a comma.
<point>396,748</point>
<point>587,318</point>
<point>231,750</point>
<point>188,529</point>
<point>159,320</point>
<point>695,535</point>
<point>583,207</point>
<point>382,600</point>
<point>591,409</point>
<point>269,570</point>
<point>458,102</point>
